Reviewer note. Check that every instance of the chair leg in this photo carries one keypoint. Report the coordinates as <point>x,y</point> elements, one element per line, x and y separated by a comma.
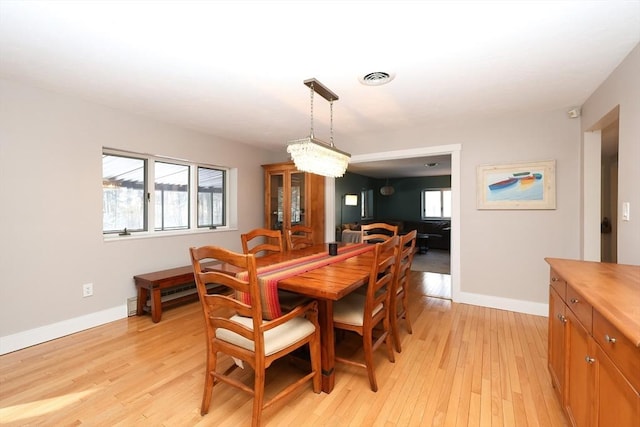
<point>387,339</point>
<point>395,332</point>
<point>208,382</point>
<point>367,340</point>
<point>405,307</point>
<point>316,363</point>
<point>258,396</point>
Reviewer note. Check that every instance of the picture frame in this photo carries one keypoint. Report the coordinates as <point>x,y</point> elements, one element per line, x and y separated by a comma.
<point>529,185</point>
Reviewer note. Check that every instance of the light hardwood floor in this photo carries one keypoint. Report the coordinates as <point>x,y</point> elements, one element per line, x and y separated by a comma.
<point>463,366</point>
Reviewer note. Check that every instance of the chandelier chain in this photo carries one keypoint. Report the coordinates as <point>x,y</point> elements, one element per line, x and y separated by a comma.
<point>331,121</point>
<point>312,91</point>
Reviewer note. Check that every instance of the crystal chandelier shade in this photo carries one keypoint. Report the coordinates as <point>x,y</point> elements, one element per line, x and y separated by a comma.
<point>316,156</point>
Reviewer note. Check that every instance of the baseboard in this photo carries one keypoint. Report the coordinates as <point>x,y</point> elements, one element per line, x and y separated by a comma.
<point>519,306</point>
<point>45,333</point>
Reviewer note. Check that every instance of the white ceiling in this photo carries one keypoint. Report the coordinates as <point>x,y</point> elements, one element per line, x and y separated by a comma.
<point>234,69</point>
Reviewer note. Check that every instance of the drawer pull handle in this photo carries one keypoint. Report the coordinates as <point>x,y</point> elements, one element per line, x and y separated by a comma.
<point>612,340</point>
<point>562,318</point>
<point>554,279</point>
<point>590,360</point>
<point>574,300</point>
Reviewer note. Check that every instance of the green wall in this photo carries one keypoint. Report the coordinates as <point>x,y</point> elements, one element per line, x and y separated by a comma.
<point>403,204</point>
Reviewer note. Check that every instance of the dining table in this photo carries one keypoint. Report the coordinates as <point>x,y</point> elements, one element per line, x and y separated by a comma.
<point>327,281</point>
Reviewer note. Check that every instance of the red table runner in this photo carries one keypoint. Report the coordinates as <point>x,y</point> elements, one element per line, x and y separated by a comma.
<point>269,276</point>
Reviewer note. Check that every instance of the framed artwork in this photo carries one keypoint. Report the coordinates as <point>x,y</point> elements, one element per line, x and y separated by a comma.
<point>517,186</point>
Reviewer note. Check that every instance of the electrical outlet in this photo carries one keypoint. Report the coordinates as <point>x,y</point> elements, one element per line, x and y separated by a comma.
<point>87,290</point>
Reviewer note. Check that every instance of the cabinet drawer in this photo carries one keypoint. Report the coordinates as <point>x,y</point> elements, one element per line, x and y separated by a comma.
<point>580,308</point>
<point>559,284</point>
<point>619,348</point>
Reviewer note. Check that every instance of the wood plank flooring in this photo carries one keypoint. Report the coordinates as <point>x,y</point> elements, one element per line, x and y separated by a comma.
<point>462,366</point>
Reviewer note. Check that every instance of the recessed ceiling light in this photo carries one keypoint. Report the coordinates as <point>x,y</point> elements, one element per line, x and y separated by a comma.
<point>376,78</point>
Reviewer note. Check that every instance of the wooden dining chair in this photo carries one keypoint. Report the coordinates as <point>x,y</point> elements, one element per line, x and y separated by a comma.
<point>263,240</point>
<point>363,313</point>
<point>238,330</point>
<point>399,295</point>
<point>299,236</point>
<point>271,242</point>
<point>377,231</point>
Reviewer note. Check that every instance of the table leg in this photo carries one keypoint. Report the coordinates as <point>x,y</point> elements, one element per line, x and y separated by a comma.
<point>327,344</point>
<point>423,245</point>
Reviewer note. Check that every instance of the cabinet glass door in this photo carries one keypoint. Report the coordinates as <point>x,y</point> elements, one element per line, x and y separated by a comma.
<point>298,198</point>
<point>276,201</point>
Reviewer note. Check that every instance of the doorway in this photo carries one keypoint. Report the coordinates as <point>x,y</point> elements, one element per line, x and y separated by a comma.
<point>452,150</point>
<point>600,189</point>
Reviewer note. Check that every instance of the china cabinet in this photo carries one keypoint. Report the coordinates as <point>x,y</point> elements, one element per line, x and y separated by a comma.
<point>293,197</point>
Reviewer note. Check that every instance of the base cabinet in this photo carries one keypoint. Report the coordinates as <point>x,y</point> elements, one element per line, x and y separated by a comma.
<point>557,326</point>
<point>594,368</point>
<point>579,373</point>
<point>617,402</point>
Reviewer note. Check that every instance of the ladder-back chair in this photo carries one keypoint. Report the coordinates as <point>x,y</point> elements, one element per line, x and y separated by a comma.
<point>299,236</point>
<point>363,313</point>
<point>238,330</point>
<point>400,293</point>
<point>263,240</point>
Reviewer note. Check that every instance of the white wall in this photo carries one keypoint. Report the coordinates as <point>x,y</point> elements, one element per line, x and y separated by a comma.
<point>50,190</point>
<point>502,252</point>
<point>622,88</point>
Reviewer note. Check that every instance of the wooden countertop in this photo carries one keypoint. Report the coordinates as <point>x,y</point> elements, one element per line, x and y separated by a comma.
<point>612,289</point>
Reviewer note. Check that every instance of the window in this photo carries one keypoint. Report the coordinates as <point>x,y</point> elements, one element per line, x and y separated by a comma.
<point>130,206</point>
<point>436,203</point>
<point>211,184</point>
<point>366,208</point>
<point>172,196</point>
<point>123,194</point>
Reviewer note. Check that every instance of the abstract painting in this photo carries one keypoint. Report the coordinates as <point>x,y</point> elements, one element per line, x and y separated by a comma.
<point>517,186</point>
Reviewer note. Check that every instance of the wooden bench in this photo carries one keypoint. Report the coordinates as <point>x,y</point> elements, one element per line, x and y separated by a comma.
<point>152,285</point>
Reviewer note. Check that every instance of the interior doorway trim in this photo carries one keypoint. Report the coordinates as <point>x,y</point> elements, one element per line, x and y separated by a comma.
<point>453,150</point>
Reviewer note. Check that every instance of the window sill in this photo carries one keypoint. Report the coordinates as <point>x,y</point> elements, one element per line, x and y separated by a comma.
<point>162,234</point>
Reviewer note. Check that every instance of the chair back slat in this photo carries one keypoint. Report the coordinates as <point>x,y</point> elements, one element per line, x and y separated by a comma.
<point>378,231</point>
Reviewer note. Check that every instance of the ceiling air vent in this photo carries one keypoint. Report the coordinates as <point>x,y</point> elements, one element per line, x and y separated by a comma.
<point>376,78</point>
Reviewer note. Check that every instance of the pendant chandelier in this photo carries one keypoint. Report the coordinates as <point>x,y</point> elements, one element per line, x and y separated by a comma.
<point>316,156</point>
<point>387,190</point>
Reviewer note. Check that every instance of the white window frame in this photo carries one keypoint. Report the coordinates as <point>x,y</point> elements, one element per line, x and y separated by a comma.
<point>422,204</point>
<point>230,197</point>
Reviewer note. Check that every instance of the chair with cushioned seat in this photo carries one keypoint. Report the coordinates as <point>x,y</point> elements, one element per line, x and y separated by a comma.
<point>363,313</point>
<point>399,296</point>
<point>238,330</point>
